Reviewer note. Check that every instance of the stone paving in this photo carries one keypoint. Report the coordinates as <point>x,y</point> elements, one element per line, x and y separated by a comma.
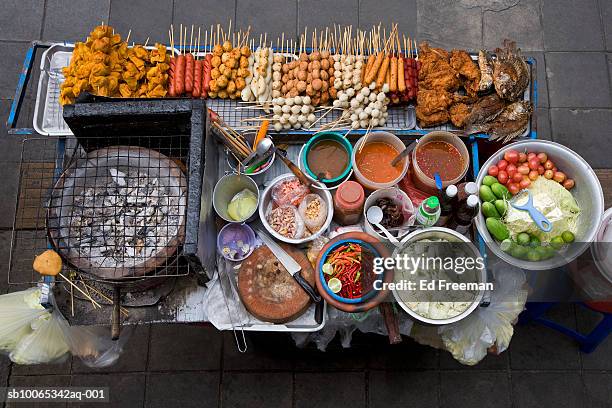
<point>172,365</point>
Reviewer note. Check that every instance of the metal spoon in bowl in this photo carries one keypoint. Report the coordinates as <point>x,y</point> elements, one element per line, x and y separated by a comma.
<point>404,153</point>
<point>375,216</point>
<point>262,148</point>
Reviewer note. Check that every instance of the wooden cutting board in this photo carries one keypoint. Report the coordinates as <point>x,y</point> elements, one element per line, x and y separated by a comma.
<point>268,291</point>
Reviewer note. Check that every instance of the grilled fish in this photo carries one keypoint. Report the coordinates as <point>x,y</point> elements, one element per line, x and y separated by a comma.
<point>485,110</point>
<point>510,72</point>
<point>509,124</point>
<point>486,71</point>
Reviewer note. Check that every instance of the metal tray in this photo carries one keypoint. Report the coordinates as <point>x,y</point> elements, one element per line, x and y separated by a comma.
<point>48,113</point>
<point>529,95</point>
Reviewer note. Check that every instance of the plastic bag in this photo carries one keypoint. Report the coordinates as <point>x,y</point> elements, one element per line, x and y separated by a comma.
<point>94,346</point>
<point>286,221</point>
<point>313,211</point>
<point>45,344</point>
<point>469,339</point>
<point>17,312</point>
<point>289,191</point>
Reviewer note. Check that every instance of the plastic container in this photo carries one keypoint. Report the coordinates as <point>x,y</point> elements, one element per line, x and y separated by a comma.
<point>226,188</point>
<point>388,138</point>
<point>235,236</point>
<point>348,203</point>
<point>337,137</point>
<point>398,196</point>
<point>421,181</point>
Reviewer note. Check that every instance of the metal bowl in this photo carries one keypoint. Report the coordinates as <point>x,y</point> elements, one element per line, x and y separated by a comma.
<point>452,236</point>
<point>266,201</point>
<point>587,192</point>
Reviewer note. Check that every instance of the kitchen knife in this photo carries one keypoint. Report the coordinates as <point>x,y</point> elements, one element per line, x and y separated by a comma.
<point>289,263</point>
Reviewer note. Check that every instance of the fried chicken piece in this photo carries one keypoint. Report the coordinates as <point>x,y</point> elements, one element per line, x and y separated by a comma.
<point>458,113</point>
<point>467,68</point>
<point>425,120</point>
<point>443,78</point>
<point>430,101</point>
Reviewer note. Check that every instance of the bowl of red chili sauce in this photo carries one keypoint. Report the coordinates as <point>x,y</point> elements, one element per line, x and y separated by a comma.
<point>439,152</point>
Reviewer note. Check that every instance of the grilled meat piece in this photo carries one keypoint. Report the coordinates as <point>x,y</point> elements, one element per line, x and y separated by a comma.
<point>510,72</point>
<point>486,71</point>
<point>458,113</point>
<point>510,124</point>
<point>467,68</point>
<point>485,110</point>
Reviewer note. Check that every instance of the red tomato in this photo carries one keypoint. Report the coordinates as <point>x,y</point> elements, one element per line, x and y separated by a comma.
<point>511,169</point>
<point>542,157</point>
<point>513,188</point>
<point>548,165</point>
<point>531,155</point>
<point>522,157</point>
<point>493,171</point>
<point>541,169</point>
<point>533,175</point>
<point>568,184</point>
<point>511,156</point>
<point>534,163</point>
<point>554,169</point>
<point>525,183</point>
<point>559,176</point>
<point>517,177</point>
<point>502,164</point>
<point>549,174</point>
<point>523,169</point>
<point>502,177</point>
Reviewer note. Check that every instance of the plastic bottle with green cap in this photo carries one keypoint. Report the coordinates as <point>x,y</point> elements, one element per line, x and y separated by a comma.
<point>428,212</point>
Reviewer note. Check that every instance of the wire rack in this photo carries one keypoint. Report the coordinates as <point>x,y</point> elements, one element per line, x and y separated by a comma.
<point>114,210</point>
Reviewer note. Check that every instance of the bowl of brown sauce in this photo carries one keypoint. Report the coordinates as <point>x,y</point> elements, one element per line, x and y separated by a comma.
<point>326,157</point>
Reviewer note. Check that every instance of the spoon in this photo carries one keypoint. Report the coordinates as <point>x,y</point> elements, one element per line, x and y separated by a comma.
<point>375,216</point>
<point>404,153</point>
<point>538,218</point>
<point>262,148</point>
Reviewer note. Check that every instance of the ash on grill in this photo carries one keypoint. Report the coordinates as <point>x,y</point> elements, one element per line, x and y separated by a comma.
<point>125,221</point>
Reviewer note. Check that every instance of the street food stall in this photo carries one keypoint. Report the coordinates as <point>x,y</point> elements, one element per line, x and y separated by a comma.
<point>268,184</point>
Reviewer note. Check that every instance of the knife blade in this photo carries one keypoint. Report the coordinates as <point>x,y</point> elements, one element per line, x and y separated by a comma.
<point>289,263</point>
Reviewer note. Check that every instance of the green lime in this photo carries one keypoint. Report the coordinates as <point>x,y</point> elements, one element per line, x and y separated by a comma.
<point>519,251</point>
<point>506,245</point>
<point>334,285</point>
<point>523,238</point>
<point>328,269</point>
<point>533,255</point>
<point>557,242</point>
<point>568,237</point>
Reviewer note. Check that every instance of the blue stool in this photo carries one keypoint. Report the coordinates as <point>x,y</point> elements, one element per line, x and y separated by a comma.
<point>588,343</point>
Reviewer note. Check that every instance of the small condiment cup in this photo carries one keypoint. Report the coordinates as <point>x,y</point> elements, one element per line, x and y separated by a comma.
<point>226,188</point>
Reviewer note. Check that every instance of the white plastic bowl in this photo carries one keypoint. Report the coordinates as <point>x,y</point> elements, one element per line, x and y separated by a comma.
<point>587,192</point>
<point>266,200</point>
<point>385,137</point>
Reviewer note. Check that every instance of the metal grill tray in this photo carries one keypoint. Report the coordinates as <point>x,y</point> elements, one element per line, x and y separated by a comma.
<point>48,112</point>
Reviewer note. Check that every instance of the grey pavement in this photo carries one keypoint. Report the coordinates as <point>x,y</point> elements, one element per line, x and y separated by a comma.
<point>178,365</point>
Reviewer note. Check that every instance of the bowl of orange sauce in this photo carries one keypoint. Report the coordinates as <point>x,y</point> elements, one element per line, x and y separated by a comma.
<point>439,152</point>
<point>372,161</point>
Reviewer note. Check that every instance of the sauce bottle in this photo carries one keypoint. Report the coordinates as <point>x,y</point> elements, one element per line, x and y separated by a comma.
<point>466,212</point>
<point>448,204</point>
<point>428,212</point>
<point>348,203</point>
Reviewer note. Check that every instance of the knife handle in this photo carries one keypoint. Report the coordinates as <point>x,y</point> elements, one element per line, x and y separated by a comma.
<point>307,288</point>
<point>319,313</point>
